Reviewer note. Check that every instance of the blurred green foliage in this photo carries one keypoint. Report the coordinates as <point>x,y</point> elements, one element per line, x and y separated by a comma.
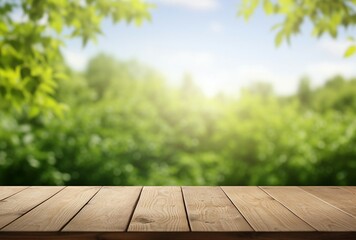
<point>126,126</point>
<point>32,33</point>
<point>326,16</point>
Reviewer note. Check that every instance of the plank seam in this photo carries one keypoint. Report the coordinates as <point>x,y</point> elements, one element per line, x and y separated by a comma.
<point>328,202</point>
<point>32,207</point>
<point>186,209</point>
<point>80,209</point>
<point>289,209</point>
<point>133,210</point>
<point>14,193</point>
<point>237,209</point>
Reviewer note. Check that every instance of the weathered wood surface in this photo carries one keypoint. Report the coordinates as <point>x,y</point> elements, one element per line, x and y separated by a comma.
<point>257,206</point>
<point>320,215</point>
<point>178,212</point>
<point>209,210</point>
<point>160,209</point>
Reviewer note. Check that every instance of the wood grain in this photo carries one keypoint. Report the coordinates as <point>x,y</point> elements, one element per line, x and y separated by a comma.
<point>159,209</point>
<point>109,210</point>
<point>322,216</point>
<point>54,213</point>
<point>179,235</point>
<point>209,209</point>
<point>336,196</point>
<point>351,189</point>
<point>90,213</point>
<point>8,191</point>
<point>263,212</point>
<point>20,203</point>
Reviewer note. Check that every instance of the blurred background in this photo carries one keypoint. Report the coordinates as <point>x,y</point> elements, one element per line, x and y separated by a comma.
<point>177,92</point>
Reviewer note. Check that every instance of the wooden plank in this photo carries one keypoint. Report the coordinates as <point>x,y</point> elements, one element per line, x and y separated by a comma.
<point>179,235</point>
<point>159,209</point>
<point>351,189</point>
<point>109,210</point>
<point>9,191</point>
<point>320,215</point>
<point>263,212</point>
<point>209,209</point>
<point>22,202</point>
<point>53,214</point>
<point>336,196</point>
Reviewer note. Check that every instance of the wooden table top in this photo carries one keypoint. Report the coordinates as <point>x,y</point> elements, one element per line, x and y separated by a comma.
<point>178,212</point>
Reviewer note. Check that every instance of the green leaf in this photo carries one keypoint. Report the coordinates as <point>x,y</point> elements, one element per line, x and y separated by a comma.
<point>279,38</point>
<point>3,27</point>
<point>57,25</point>
<point>276,26</point>
<point>268,7</point>
<point>286,5</point>
<point>247,8</point>
<point>317,32</point>
<point>350,51</point>
<point>34,111</point>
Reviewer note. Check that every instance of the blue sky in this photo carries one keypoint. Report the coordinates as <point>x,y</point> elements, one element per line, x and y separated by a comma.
<point>222,52</point>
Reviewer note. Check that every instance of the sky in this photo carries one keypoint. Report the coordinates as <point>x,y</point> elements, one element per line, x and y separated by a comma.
<point>221,51</point>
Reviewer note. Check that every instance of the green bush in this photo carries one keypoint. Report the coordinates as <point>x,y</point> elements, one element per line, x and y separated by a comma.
<point>133,129</point>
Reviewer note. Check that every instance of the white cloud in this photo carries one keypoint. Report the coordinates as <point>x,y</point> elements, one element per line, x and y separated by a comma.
<point>199,64</point>
<point>175,63</point>
<point>75,59</point>
<point>319,72</point>
<point>230,80</point>
<point>216,27</point>
<point>282,84</point>
<point>334,47</point>
<point>215,73</point>
<point>199,5</point>
<point>193,59</point>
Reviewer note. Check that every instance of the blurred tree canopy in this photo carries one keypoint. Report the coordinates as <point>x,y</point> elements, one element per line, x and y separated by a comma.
<point>127,126</point>
<point>325,16</point>
<point>134,129</point>
<point>32,34</point>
